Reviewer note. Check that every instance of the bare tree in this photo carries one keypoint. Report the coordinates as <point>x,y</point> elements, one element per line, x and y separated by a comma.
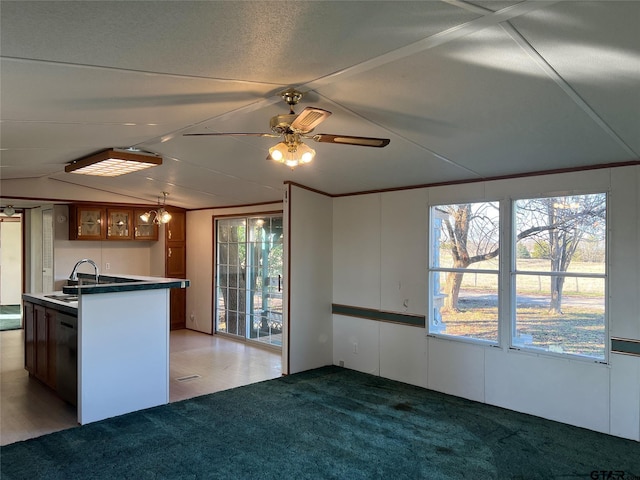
<point>566,220</point>
<point>471,232</point>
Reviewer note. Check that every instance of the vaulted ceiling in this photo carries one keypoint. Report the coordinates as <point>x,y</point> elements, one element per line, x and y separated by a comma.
<point>464,90</point>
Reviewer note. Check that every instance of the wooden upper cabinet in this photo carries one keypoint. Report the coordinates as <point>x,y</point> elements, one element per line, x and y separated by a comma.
<point>87,222</point>
<point>177,226</point>
<point>143,230</point>
<point>119,224</point>
<point>176,245</point>
<point>102,222</point>
<point>176,265</point>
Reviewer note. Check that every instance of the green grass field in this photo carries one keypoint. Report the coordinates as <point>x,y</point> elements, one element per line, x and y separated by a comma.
<point>579,330</point>
<point>536,283</point>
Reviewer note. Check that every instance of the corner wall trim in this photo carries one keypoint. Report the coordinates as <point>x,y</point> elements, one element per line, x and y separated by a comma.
<point>625,346</point>
<point>378,315</point>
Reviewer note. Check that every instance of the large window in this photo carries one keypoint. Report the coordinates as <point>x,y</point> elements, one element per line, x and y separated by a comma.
<point>559,279</point>
<point>464,271</point>
<point>554,277</point>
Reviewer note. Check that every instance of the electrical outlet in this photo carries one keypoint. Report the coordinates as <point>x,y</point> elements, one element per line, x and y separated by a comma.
<point>341,363</point>
<point>355,348</point>
<point>107,266</point>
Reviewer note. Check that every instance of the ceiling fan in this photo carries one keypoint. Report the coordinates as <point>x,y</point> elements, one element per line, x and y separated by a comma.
<point>292,128</point>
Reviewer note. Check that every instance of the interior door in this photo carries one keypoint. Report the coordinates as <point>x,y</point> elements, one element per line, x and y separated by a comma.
<point>47,250</point>
<point>11,262</point>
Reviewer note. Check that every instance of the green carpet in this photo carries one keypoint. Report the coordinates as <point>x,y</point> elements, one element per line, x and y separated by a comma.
<point>10,317</point>
<point>329,423</point>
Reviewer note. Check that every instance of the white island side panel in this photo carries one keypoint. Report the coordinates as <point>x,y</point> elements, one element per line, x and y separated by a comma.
<point>123,353</point>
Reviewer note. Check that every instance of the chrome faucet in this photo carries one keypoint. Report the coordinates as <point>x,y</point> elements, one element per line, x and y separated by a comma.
<point>74,274</point>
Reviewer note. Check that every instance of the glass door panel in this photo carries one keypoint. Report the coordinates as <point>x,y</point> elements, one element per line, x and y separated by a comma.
<point>265,246</point>
<point>230,276</point>
<point>249,278</point>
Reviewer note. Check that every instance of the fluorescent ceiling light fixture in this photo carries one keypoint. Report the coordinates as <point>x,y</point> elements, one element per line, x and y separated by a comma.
<point>113,162</point>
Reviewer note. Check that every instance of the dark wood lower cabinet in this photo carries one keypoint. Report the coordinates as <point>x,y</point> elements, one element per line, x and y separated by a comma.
<point>42,354</point>
<point>29,338</point>
<point>52,353</point>
<point>40,343</point>
<point>178,308</point>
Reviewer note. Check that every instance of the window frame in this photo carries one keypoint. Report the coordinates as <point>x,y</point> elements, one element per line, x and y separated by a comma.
<point>507,274</point>
<point>513,272</point>
<point>431,270</point>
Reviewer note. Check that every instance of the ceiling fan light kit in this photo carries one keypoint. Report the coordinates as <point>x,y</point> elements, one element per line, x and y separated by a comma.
<point>291,154</point>
<point>113,162</point>
<point>292,151</point>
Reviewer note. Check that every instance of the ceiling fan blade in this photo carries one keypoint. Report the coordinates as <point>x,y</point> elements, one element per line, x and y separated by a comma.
<point>231,134</point>
<point>349,140</point>
<point>309,119</point>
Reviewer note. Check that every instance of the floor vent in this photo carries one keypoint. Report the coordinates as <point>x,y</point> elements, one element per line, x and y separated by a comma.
<point>188,377</point>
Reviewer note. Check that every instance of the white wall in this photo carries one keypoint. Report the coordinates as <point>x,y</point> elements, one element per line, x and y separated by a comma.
<point>356,229</point>
<point>624,299</point>
<point>379,252</point>
<point>381,268</point>
<point>200,241</point>
<point>308,323</point>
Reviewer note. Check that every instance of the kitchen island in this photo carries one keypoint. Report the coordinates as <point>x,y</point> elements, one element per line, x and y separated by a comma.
<point>122,342</point>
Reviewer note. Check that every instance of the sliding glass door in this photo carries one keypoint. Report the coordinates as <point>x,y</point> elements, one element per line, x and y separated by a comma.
<point>249,277</point>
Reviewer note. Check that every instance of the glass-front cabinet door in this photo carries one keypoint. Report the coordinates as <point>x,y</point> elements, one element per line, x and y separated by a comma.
<point>249,277</point>
<point>90,223</point>
<point>144,229</point>
<point>119,224</point>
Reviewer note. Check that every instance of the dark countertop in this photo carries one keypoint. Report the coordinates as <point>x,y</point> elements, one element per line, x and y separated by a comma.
<point>122,283</point>
<point>42,299</point>
<point>107,284</point>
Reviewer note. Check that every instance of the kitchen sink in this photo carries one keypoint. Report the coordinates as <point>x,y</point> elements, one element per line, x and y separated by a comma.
<point>63,297</point>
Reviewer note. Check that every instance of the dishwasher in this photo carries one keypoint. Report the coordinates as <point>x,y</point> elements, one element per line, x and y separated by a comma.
<point>67,357</point>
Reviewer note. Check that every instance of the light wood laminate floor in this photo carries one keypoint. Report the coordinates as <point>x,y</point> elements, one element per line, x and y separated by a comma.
<point>199,364</point>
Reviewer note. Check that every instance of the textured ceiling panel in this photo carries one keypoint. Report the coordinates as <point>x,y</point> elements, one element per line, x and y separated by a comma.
<point>63,93</point>
<point>464,90</point>
<point>277,42</point>
<point>601,64</point>
<point>485,106</point>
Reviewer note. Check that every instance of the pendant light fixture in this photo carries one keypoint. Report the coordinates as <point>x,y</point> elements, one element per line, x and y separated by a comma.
<point>159,216</point>
<point>9,211</point>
